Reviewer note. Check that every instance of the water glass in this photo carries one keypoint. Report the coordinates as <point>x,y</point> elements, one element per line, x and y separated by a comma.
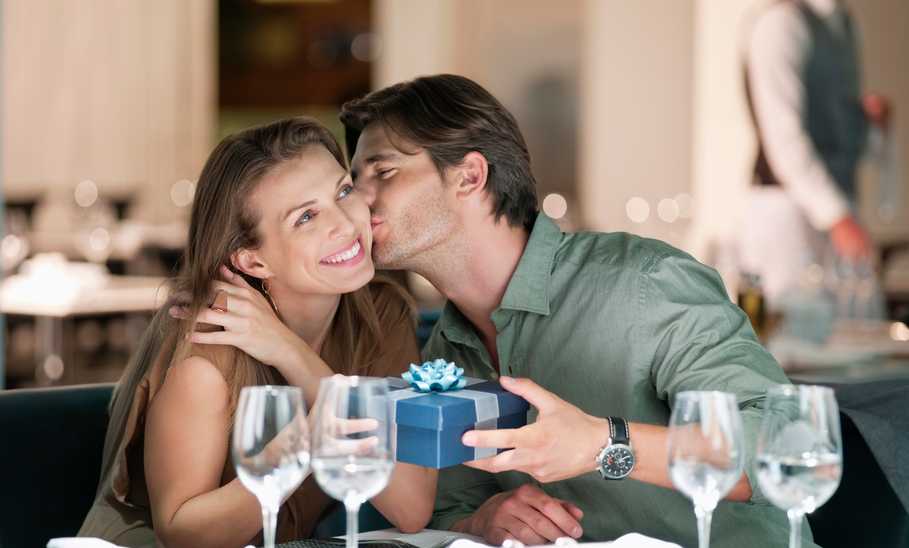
<point>799,451</point>
<point>706,451</point>
<point>351,454</point>
<point>270,447</point>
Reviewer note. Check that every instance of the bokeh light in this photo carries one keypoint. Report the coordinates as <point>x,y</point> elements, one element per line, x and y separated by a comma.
<point>637,209</point>
<point>555,206</point>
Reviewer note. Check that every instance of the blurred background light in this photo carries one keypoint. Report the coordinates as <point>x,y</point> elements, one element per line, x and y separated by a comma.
<point>555,206</point>
<point>86,193</point>
<point>637,209</point>
<point>668,210</point>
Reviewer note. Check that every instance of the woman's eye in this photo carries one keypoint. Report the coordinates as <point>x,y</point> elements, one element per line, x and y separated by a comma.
<point>385,173</point>
<point>306,217</point>
<point>345,191</point>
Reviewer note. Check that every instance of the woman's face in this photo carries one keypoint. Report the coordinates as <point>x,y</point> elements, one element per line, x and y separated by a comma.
<point>314,225</point>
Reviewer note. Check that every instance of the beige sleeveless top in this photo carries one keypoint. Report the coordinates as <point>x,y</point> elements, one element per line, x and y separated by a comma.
<point>121,512</point>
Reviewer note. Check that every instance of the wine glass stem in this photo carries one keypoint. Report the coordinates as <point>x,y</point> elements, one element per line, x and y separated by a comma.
<point>703,526</point>
<point>353,507</point>
<point>795,528</point>
<point>269,524</point>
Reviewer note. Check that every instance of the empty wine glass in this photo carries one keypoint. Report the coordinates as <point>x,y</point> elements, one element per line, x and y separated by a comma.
<point>270,447</point>
<point>351,453</point>
<point>706,451</point>
<point>799,451</point>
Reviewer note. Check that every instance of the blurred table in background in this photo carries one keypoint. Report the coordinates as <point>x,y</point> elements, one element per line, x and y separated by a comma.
<point>856,351</point>
<point>57,296</point>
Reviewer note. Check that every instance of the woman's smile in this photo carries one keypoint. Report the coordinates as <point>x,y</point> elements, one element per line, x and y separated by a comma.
<point>349,256</point>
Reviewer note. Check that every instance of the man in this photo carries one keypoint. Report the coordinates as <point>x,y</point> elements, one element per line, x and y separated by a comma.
<point>595,325</point>
<point>804,94</point>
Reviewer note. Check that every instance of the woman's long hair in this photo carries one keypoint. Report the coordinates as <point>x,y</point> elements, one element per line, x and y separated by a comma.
<point>220,224</point>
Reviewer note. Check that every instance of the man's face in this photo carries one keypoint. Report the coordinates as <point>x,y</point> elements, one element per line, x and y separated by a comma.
<point>412,213</point>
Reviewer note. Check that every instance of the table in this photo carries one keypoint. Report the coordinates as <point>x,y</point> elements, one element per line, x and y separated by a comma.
<point>53,301</point>
<point>856,351</point>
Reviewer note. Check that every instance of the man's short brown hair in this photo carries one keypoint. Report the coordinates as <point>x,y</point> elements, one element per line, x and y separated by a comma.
<point>449,116</point>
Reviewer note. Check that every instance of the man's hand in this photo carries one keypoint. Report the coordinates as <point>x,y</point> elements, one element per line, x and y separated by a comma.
<point>561,444</point>
<point>850,240</point>
<point>526,514</point>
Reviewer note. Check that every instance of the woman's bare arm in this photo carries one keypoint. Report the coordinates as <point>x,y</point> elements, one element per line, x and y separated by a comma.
<point>186,445</point>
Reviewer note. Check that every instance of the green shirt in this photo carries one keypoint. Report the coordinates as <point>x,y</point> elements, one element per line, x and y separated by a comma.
<point>617,325</point>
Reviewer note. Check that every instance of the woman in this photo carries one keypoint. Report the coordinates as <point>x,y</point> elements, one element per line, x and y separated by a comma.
<point>277,216</point>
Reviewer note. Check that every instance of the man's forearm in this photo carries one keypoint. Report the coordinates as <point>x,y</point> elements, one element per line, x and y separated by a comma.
<point>650,444</point>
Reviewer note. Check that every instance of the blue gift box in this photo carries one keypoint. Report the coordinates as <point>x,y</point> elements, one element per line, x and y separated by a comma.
<point>427,427</point>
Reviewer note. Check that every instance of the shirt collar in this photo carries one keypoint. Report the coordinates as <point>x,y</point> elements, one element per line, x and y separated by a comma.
<point>455,327</point>
<point>528,289</point>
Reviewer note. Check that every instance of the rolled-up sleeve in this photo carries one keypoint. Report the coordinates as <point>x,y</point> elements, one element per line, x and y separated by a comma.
<point>702,341</point>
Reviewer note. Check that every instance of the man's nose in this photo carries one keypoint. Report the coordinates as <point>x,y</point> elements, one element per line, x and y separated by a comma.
<point>370,191</point>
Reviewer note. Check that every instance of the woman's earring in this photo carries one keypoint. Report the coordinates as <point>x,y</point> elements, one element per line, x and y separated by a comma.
<point>271,299</point>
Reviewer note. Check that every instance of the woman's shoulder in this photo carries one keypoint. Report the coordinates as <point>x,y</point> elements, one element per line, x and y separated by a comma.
<point>208,364</point>
<point>200,372</point>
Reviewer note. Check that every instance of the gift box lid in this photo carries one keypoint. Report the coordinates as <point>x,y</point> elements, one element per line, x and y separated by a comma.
<point>479,401</point>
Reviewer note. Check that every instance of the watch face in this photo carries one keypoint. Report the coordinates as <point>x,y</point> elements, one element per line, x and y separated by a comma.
<point>618,461</point>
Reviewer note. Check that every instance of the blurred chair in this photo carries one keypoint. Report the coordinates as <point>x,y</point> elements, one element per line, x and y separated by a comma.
<point>425,323</point>
<point>50,459</point>
<point>869,509</point>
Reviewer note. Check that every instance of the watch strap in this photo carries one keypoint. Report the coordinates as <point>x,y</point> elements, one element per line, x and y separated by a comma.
<point>618,431</point>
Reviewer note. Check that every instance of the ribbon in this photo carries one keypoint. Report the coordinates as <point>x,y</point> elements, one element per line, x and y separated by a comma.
<point>435,376</point>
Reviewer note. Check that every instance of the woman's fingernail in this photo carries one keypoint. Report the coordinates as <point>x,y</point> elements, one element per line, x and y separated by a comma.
<point>576,532</point>
<point>467,439</point>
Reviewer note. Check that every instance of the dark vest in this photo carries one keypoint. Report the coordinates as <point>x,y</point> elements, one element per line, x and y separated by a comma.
<point>833,116</point>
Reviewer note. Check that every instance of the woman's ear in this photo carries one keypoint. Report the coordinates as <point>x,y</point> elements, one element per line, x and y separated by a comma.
<point>250,263</point>
<point>471,175</point>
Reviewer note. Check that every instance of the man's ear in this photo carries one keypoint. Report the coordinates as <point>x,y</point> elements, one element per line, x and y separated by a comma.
<point>250,262</point>
<point>471,175</point>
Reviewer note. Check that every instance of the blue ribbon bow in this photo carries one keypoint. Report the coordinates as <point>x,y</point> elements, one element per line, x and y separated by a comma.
<point>435,376</point>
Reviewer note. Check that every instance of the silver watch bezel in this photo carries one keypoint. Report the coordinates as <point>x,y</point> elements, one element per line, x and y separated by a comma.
<point>601,458</point>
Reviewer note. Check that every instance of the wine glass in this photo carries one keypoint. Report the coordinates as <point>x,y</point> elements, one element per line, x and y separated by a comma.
<point>351,453</point>
<point>799,451</point>
<point>270,447</point>
<point>706,451</point>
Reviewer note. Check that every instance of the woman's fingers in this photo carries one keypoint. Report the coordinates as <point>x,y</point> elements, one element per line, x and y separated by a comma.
<point>231,289</point>
<point>234,278</point>
<point>226,320</point>
<point>221,302</point>
<point>238,296</point>
<point>356,426</point>
<point>212,337</point>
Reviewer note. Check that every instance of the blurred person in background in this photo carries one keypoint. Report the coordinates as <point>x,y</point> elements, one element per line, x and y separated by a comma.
<point>277,217</point>
<point>802,84</point>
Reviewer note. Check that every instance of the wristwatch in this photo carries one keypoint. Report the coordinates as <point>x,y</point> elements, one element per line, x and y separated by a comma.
<point>616,460</point>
